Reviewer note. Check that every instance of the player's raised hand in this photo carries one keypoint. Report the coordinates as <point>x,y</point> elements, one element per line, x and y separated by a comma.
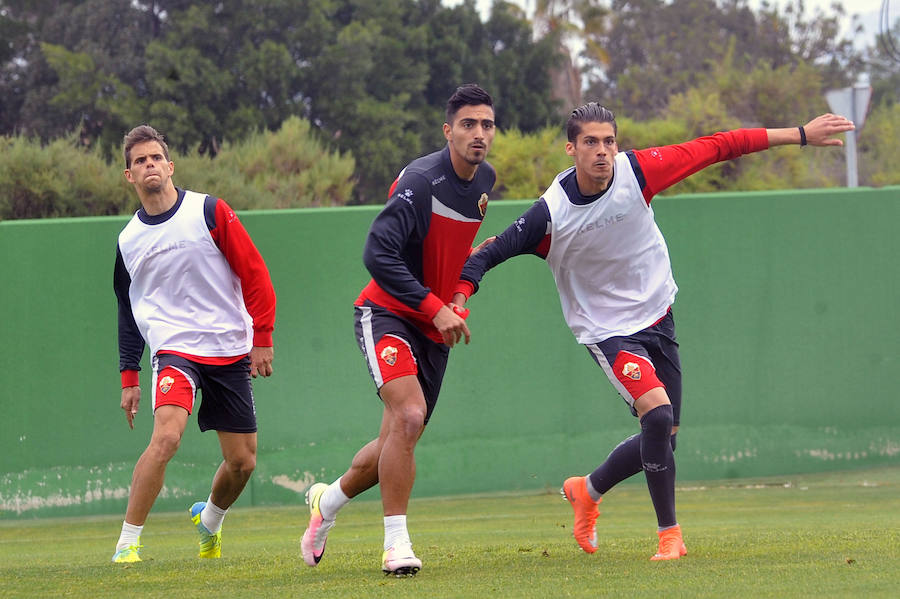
<point>821,130</point>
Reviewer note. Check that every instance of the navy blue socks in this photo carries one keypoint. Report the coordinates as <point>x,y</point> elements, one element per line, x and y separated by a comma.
<point>659,463</point>
<point>622,462</point>
<point>629,456</point>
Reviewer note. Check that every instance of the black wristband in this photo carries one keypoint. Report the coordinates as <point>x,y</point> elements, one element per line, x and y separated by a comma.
<point>802,136</point>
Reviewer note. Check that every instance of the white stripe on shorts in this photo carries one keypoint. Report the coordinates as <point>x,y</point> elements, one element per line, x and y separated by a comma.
<point>365,321</point>
<point>607,368</point>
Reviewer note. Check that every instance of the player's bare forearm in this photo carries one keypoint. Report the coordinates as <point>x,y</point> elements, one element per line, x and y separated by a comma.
<point>820,131</point>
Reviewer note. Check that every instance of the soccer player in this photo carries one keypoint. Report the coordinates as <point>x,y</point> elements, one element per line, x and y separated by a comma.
<point>595,228</point>
<point>191,284</point>
<point>405,325</point>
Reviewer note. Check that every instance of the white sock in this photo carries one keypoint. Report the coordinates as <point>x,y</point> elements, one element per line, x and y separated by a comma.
<point>591,490</point>
<point>130,535</point>
<point>332,500</point>
<point>395,531</point>
<point>212,515</point>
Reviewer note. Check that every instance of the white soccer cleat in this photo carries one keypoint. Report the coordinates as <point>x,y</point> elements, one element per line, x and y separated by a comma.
<point>400,561</point>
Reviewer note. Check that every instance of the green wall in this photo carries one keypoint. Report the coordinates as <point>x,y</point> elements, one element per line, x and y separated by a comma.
<point>787,317</point>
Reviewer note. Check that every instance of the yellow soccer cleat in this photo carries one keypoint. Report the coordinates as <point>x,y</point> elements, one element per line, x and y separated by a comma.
<point>210,543</point>
<point>129,555</point>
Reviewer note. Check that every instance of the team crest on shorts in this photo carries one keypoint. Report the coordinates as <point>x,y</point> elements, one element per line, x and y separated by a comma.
<point>389,355</point>
<point>632,371</point>
<point>482,204</point>
<point>165,383</point>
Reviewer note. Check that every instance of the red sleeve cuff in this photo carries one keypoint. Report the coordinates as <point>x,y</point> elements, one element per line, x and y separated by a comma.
<point>464,287</point>
<point>262,339</point>
<point>431,305</point>
<point>759,138</point>
<point>130,378</point>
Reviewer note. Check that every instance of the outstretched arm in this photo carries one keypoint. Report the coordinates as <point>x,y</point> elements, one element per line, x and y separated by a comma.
<point>818,132</point>
<point>661,167</point>
<point>529,234</point>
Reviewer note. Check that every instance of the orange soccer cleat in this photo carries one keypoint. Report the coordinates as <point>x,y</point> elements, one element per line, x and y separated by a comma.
<point>586,512</point>
<point>671,545</point>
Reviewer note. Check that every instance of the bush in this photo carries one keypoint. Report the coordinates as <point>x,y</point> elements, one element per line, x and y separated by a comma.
<point>57,180</point>
<point>879,145</point>
<point>527,163</point>
<point>286,169</point>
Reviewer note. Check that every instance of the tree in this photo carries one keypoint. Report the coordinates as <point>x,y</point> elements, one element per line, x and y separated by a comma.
<point>656,48</point>
<point>883,65</point>
<point>879,144</point>
<point>383,84</point>
<point>58,38</point>
<point>364,82</point>
<point>522,70</point>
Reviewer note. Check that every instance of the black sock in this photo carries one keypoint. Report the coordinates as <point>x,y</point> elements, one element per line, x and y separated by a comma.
<point>622,462</point>
<point>659,462</point>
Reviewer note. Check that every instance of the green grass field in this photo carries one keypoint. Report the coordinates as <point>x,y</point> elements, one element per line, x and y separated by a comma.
<point>833,535</point>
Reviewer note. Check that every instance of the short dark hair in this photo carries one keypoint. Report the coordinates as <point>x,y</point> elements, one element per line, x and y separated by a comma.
<point>592,112</point>
<point>469,94</point>
<point>141,134</point>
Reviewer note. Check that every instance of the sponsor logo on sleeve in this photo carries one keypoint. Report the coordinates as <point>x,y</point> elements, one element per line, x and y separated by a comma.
<point>406,195</point>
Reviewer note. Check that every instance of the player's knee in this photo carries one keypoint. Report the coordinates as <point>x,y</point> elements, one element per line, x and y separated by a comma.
<point>658,421</point>
<point>243,465</point>
<point>163,446</point>
<point>408,422</point>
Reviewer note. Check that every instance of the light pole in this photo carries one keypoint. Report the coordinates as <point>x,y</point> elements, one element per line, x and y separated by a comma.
<point>852,102</point>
